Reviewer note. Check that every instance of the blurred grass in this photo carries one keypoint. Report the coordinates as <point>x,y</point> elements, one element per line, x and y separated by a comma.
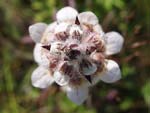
<point>129,95</point>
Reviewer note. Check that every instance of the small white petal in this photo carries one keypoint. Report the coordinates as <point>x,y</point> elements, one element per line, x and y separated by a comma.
<point>61,27</point>
<point>90,69</point>
<point>88,18</point>
<point>40,56</point>
<point>78,94</point>
<point>66,14</point>
<point>60,78</point>
<point>49,35</point>
<point>112,73</point>
<point>114,43</point>
<point>41,77</point>
<point>36,31</point>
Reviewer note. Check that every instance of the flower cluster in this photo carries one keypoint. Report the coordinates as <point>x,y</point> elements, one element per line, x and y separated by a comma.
<point>72,52</point>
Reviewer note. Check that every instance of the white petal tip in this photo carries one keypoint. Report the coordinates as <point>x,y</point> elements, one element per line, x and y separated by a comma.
<point>88,18</point>
<point>112,73</point>
<point>114,42</point>
<point>40,56</point>
<point>62,27</point>
<point>77,95</point>
<point>61,79</point>
<point>66,14</point>
<point>41,78</point>
<point>36,31</point>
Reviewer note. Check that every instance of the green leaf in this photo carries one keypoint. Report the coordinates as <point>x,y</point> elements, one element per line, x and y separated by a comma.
<point>146,92</point>
<point>126,104</point>
<point>127,70</point>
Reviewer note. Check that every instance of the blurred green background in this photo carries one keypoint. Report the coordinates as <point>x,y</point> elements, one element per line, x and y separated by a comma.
<point>130,95</point>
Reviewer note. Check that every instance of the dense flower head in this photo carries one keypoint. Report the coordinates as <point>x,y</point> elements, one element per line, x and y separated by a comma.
<point>72,51</point>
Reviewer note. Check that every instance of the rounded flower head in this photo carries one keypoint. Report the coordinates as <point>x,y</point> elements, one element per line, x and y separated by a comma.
<point>72,52</point>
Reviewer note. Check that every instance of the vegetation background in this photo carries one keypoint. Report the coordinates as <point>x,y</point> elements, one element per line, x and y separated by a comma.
<point>130,95</point>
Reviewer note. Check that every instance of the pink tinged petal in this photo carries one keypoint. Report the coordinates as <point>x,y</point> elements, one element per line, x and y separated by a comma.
<point>112,73</point>
<point>88,18</point>
<point>36,31</point>
<point>41,77</point>
<point>75,31</point>
<point>114,43</point>
<point>78,95</point>
<point>39,56</point>
<point>51,27</point>
<point>48,38</point>
<point>54,61</point>
<point>66,14</point>
<point>98,29</point>
<point>97,57</point>
<point>61,31</point>
<point>60,78</point>
<point>49,35</point>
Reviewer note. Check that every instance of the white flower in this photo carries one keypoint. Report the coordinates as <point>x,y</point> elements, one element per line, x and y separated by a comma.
<point>73,52</point>
<point>41,77</point>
